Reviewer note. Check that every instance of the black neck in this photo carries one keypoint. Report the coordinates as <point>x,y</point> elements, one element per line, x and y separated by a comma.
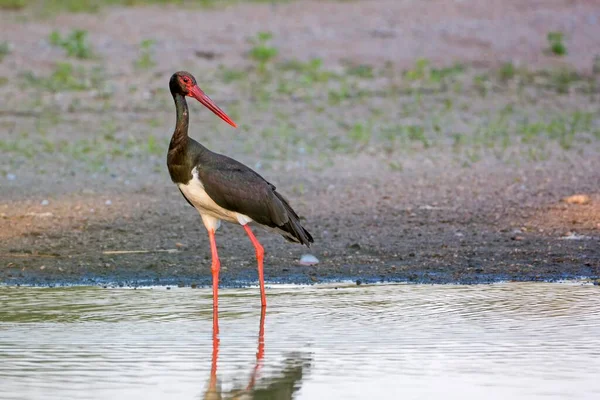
<point>179,140</point>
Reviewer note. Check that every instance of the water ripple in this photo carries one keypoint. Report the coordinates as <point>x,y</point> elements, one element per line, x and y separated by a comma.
<point>383,341</point>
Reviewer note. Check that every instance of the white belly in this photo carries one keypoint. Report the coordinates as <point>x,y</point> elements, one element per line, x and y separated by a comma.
<point>211,212</point>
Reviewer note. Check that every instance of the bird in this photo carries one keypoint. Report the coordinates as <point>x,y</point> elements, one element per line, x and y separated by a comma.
<point>223,189</point>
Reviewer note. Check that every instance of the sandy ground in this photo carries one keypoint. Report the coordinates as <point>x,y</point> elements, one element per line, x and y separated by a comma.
<point>419,213</point>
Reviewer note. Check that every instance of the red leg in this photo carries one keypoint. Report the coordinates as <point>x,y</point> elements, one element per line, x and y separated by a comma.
<point>260,252</point>
<point>214,267</point>
<point>260,352</point>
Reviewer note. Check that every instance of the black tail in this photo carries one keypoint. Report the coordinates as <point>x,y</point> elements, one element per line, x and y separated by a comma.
<point>293,230</point>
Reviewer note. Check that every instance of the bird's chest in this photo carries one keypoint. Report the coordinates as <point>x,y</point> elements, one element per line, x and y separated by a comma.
<point>195,192</point>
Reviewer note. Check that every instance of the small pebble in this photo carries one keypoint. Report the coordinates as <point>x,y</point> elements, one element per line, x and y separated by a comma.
<point>575,236</point>
<point>108,202</point>
<point>308,259</point>
<point>11,177</point>
<point>577,199</point>
<point>45,202</point>
<point>358,282</point>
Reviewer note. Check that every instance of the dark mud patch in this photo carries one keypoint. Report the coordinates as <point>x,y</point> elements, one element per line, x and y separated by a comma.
<point>432,253</point>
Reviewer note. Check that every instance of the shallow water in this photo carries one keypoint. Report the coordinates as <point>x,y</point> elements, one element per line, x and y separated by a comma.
<point>502,341</point>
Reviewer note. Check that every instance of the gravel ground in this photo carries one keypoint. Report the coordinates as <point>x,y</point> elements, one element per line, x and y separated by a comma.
<point>399,175</point>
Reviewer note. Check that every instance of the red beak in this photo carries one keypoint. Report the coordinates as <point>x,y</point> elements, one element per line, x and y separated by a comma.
<point>199,95</point>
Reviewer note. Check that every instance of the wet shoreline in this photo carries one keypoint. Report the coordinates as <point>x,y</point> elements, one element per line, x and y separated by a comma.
<point>310,276</point>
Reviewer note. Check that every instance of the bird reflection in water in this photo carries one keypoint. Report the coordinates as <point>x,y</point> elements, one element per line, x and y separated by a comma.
<point>280,386</point>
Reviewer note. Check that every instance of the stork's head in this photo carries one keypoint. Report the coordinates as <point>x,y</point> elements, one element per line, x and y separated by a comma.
<point>184,83</point>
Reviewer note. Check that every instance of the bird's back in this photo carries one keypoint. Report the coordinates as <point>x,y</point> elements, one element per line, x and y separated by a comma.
<point>236,187</point>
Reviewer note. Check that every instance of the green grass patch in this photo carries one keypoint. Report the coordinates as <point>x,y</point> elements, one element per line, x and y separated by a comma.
<point>309,72</point>
<point>4,50</point>
<point>67,77</point>
<point>399,135</point>
<point>362,71</point>
<point>145,58</point>
<point>12,4</point>
<point>562,79</point>
<point>49,7</point>
<point>556,44</point>
<point>75,43</point>
<point>229,75</point>
<point>337,96</point>
<point>262,52</point>
<point>424,72</point>
<point>360,134</point>
<point>507,71</point>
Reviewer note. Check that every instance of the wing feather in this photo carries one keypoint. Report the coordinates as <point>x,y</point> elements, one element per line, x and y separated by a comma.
<point>235,187</point>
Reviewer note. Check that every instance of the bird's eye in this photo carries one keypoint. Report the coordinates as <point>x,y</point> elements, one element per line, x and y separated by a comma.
<point>186,79</point>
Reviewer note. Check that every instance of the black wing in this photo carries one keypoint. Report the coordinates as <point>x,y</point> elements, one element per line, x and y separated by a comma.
<point>235,187</point>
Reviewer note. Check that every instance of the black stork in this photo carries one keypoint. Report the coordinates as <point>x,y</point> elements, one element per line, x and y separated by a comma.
<point>221,188</point>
